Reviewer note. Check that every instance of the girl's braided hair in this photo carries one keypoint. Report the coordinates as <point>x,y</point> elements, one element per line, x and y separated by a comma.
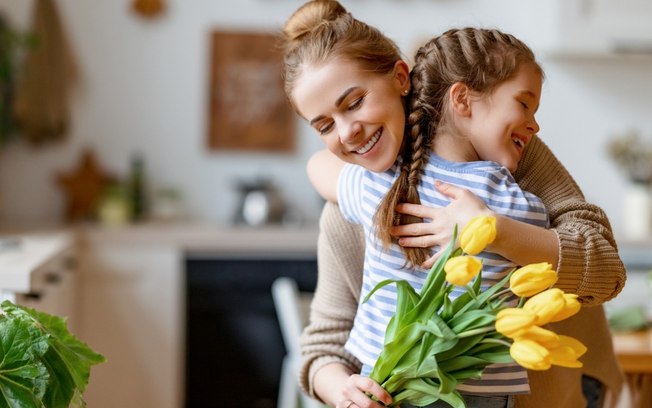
<point>479,58</point>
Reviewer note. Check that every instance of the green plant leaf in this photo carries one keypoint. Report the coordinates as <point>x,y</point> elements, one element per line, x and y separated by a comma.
<point>68,360</point>
<point>462,362</point>
<point>472,319</point>
<point>425,391</point>
<point>406,298</point>
<point>393,351</point>
<point>483,298</point>
<point>23,377</point>
<point>462,347</point>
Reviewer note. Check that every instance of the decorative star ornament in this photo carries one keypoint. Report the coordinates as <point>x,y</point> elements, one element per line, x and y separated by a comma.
<point>83,188</point>
<point>148,8</point>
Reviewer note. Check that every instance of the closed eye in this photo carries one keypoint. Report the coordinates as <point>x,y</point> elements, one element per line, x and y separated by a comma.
<point>356,103</point>
<point>325,128</point>
<point>525,105</point>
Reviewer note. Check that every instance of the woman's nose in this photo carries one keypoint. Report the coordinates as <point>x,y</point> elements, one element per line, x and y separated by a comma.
<point>348,130</point>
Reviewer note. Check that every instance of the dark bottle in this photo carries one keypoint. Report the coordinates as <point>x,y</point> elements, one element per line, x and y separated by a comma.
<point>137,189</point>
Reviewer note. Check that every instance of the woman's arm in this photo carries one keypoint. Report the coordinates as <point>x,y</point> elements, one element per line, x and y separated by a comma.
<point>327,369</point>
<point>589,264</point>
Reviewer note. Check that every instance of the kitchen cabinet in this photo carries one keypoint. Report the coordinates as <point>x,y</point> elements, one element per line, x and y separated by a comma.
<point>39,270</point>
<point>132,302</point>
<point>129,310</point>
<point>600,28</point>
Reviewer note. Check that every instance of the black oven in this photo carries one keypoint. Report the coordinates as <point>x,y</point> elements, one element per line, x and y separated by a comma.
<point>233,343</point>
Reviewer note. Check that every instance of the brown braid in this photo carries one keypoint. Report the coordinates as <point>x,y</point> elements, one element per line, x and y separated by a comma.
<point>478,58</point>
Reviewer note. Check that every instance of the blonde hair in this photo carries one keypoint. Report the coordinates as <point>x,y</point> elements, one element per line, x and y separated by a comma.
<point>479,58</point>
<point>322,30</point>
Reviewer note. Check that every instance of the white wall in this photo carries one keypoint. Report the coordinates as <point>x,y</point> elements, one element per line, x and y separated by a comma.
<point>145,90</point>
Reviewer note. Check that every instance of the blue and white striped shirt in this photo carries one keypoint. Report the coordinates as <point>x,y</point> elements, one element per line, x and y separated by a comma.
<point>360,191</point>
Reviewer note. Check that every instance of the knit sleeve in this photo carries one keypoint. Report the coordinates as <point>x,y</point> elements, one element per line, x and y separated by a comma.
<point>589,264</point>
<point>340,255</point>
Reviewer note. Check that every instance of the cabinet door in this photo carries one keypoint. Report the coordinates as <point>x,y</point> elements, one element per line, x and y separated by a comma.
<point>130,303</point>
<point>53,289</point>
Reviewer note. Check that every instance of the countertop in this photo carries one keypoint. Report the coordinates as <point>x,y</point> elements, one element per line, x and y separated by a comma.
<point>22,254</point>
<point>193,238</point>
<point>24,251</point>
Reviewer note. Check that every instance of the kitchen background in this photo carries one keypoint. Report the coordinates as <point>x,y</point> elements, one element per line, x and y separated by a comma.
<point>144,89</point>
<point>148,294</point>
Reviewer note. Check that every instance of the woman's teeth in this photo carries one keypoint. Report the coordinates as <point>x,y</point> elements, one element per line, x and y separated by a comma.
<point>370,144</point>
<point>518,142</point>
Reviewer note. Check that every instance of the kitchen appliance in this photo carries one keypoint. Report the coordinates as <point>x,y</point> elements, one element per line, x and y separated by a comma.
<point>260,203</point>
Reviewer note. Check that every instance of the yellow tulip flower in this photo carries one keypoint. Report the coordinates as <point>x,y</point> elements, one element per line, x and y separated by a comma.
<point>532,279</point>
<point>460,270</point>
<point>567,353</point>
<point>546,305</point>
<point>513,322</point>
<point>477,234</point>
<point>571,307</point>
<point>530,354</point>
<point>544,337</point>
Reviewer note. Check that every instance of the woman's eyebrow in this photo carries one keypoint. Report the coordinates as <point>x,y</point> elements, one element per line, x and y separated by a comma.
<point>346,93</point>
<point>337,104</point>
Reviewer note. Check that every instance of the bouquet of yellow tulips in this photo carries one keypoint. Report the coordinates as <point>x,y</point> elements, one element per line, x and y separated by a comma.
<point>433,343</point>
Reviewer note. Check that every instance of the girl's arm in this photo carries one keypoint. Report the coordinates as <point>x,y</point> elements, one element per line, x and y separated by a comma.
<point>323,171</point>
<point>579,242</point>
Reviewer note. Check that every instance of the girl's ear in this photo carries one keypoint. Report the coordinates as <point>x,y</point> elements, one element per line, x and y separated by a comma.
<point>460,99</point>
<point>402,76</point>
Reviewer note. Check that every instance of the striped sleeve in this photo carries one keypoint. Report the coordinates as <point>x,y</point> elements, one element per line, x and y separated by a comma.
<point>349,192</point>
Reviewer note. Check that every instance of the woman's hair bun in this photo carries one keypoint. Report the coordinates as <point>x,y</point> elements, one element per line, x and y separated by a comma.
<point>309,16</point>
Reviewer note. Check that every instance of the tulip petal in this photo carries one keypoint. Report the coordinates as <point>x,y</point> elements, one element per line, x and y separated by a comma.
<point>460,270</point>
<point>529,354</point>
<point>546,305</point>
<point>479,232</point>
<point>532,279</point>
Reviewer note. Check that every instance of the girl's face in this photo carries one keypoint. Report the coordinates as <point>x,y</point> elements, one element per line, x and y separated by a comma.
<point>359,115</point>
<point>502,122</point>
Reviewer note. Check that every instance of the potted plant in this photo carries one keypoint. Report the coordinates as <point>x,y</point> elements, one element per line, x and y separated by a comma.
<point>41,363</point>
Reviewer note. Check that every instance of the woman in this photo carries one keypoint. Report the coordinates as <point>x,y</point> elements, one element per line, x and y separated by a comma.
<point>581,233</point>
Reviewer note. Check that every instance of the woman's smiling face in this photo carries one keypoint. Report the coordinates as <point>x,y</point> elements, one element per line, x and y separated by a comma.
<point>359,115</point>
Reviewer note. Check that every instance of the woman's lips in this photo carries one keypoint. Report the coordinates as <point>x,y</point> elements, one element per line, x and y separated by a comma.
<point>371,142</point>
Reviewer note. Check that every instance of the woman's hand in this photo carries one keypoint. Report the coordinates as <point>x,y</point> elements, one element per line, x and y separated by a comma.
<point>356,391</point>
<point>339,388</point>
<point>439,231</point>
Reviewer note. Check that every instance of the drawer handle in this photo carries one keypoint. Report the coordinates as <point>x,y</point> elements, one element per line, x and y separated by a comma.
<point>52,278</point>
<point>33,295</point>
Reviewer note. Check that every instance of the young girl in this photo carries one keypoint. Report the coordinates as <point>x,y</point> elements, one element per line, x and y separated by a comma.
<point>347,80</point>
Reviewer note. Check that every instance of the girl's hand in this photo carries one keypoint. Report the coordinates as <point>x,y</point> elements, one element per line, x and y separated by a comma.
<point>356,391</point>
<point>439,231</point>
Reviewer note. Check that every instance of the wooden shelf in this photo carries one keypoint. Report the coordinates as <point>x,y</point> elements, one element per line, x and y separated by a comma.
<point>634,351</point>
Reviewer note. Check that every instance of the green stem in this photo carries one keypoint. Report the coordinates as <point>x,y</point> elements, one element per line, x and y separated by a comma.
<point>473,332</point>
<point>521,302</point>
<point>469,289</point>
<point>497,341</point>
<point>497,294</point>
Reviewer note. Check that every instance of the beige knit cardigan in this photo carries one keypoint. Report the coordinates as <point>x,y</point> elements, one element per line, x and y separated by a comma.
<point>589,266</point>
